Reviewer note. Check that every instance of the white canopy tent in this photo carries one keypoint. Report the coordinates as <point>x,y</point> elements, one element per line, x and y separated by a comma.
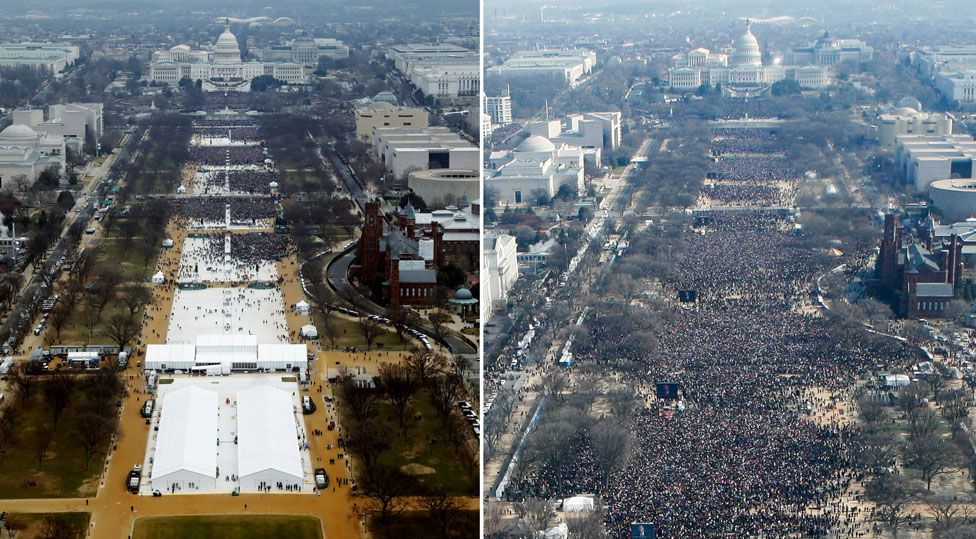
<point>578,504</point>
<point>158,278</point>
<point>186,443</point>
<point>301,307</point>
<point>282,356</point>
<point>309,332</point>
<point>162,357</point>
<point>267,450</point>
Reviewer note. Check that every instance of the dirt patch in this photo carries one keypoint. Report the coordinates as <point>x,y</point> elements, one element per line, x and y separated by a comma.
<point>417,469</point>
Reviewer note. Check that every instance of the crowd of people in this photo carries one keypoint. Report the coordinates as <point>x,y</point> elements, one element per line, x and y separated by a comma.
<point>208,212</point>
<point>744,454</point>
<point>753,194</point>
<point>254,180</point>
<point>750,168</point>
<point>228,155</point>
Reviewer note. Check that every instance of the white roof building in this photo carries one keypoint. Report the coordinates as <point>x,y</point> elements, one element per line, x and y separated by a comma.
<point>268,450</point>
<point>186,442</point>
<point>223,354</point>
<point>25,154</point>
<point>220,69</point>
<point>501,268</point>
<point>535,166</point>
<point>405,149</point>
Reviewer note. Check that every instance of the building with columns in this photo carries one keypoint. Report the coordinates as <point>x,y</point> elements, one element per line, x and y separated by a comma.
<point>219,69</point>
<point>741,74</point>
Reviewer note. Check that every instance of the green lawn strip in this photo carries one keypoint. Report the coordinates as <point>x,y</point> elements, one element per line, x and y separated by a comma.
<point>62,472</point>
<point>228,527</point>
<point>29,524</point>
<point>416,450</point>
<point>349,335</point>
<point>418,524</point>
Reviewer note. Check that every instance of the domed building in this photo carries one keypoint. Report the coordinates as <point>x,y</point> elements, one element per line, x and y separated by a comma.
<point>741,74</point>
<point>25,154</point>
<point>220,69</point>
<point>535,168</point>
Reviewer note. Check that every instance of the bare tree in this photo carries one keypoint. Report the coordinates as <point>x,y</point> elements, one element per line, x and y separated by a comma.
<point>554,382</point>
<point>330,330</point>
<point>947,511</point>
<point>612,445</point>
<point>537,512</point>
<point>122,328</point>
<point>361,400</point>
<point>893,494</point>
<point>135,297</point>
<point>23,376</point>
<point>92,430</point>
<point>443,511</point>
<point>43,438</point>
<point>444,393</point>
<point>955,408</point>
<point>370,330</point>
<point>58,390</point>
<point>388,488</point>
<point>931,455</point>
<point>59,318</point>
<point>367,440</point>
<point>399,385</point>
<point>424,364</point>
<point>60,526</point>
<point>399,316</point>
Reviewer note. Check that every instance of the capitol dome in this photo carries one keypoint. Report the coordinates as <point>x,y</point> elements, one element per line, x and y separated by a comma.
<point>536,143</point>
<point>18,132</point>
<point>747,51</point>
<point>226,50</point>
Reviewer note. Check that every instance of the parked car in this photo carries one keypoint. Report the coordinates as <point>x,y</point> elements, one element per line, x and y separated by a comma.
<point>321,478</point>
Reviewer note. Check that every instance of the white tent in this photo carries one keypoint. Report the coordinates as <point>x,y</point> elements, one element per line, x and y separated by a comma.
<point>559,531</point>
<point>578,504</point>
<point>310,332</point>
<point>301,307</point>
<point>229,351</point>
<point>186,444</point>
<point>158,278</point>
<point>162,357</point>
<point>167,242</point>
<point>267,449</point>
<point>282,356</point>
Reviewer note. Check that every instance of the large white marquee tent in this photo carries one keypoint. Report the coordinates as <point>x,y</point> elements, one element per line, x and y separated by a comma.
<point>186,443</point>
<point>268,448</point>
<point>223,354</point>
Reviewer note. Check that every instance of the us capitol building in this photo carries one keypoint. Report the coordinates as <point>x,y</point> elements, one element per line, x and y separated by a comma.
<point>743,74</point>
<point>219,70</point>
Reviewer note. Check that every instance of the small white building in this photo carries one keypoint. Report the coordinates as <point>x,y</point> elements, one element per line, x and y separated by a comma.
<point>186,442</point>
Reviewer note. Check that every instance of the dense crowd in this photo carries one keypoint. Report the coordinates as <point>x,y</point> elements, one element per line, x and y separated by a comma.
<point>751,194</point>
<point>212,211</point>
<point>742,456</point>
<point>255,180</point>
<point>224,155</point>
<point>749,168</point>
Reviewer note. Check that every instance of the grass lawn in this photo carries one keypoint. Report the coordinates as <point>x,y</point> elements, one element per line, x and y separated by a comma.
<point>127,259</point>
<point>62,472</point>
<point>75,332</point>
<point>228,527</point>
<point>28,525</point>
<point>418,524</point>
<point>437,459</point>
<point>349,335</point>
